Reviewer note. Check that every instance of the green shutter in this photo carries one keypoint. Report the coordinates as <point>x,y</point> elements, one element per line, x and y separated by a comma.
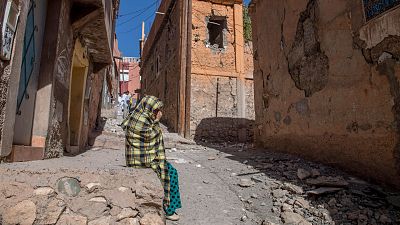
<point>28,56</point>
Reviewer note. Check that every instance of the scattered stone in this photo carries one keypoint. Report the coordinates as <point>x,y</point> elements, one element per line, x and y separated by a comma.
<point>91,187</point>
<point>151,219</point>
<point>384,219</point>
<point>265,222</point>
<point>72,219</point>
<point>394,200</point>
<point>332,202</point>
<point>180,161</point>
<point>256,179</point>
<point>362,219</point>
<point>279,193</point>
<point>24,213</point>
<point>243,218</point>
<point>44,191</point>
<point>233,174</point>
<point>206,181</point>
<point>315,173</point>
<point>328,181</point>
<point>291,218</point>
<point>127,213</point>
<point>263,204</point>
<point>69,186</point>
<point>287,208</point>
<point>212,158</point>
<point>198,166</point>
<point>323,190</point>
<point>245,161</point>
<point>123,189</point>
<point>303,174</point>
<point>301,202</point>
<point>254,196</point>
<point>293,188</point>
<point>98,199</point>
<point>246,183</point>
<point>353,215</point>
<point>105,220</point>
<point>267,165</point>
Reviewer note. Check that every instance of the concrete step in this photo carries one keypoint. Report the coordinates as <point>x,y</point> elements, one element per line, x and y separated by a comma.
<point>21,153</point>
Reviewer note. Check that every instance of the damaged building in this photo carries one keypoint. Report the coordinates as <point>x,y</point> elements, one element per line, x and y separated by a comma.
<point>55,56</point>
<point>197,61</point>
<point>327,82</point>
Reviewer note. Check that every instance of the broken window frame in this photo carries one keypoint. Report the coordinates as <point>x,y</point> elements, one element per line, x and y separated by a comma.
<point>367,18</point>
<point>217,21</point>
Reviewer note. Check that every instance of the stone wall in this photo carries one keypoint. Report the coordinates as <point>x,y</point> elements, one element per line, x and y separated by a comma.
<point>58,124</point>
<point>161,68</point>
<point>326,84</point>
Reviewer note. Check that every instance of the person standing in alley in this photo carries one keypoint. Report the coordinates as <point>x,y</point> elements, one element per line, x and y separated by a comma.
<point>145,149</point>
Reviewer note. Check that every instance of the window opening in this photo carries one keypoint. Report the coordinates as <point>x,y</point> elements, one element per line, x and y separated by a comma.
<point>216,27</point>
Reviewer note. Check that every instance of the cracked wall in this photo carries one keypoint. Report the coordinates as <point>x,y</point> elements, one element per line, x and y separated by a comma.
<point>326,84</point>
<point>215,86</point>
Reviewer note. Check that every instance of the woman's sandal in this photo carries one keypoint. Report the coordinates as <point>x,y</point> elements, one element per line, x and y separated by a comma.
<point>173,217</point>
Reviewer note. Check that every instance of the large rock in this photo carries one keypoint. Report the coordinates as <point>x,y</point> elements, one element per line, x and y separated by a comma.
<point>24,213</point>
<point>69,186</point>
<point>129,221</point>
<point>72,219</point>
<point>290,218</point>
<point>394,200</point>
<point>293,188</point>
<point>151,219</point>
<point>125,199</point>
<point>328,182</point>
<point>303,174</point>
<point>91,210</point>
<point>127,213</point>
<point>91,187</point>
<point>105,220</point>
<point>51,213</point>
<point>246,183</point>
<point>279,193</point>
<point>44,191</point>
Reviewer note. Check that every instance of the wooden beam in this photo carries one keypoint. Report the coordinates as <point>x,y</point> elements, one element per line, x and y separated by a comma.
<point>85,19</point>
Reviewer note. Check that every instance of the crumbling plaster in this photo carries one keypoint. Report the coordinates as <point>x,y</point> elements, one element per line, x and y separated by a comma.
<point>323,89</point>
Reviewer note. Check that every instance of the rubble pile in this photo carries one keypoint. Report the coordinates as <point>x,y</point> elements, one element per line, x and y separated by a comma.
<point>71,198</point>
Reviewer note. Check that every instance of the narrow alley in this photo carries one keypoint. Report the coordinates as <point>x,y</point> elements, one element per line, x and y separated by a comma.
<point>221,184</point>
<point>199,112</point>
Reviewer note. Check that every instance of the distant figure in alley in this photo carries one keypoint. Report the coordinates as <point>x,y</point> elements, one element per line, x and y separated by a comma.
<point>145,149</point>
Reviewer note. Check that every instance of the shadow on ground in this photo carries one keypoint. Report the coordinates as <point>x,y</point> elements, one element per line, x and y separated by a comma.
<point>331,196</point>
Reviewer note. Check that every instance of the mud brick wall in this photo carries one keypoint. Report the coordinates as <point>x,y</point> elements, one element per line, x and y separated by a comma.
<point>161,78</point>
<point>214,94</point>
<point>326,84</point>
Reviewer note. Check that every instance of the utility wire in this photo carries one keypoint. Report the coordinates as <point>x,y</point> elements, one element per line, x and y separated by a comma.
<point>144,10</point>
<point>140,10</point>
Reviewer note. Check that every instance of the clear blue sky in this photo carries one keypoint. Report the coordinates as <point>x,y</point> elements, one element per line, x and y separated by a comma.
<point>131,14</point>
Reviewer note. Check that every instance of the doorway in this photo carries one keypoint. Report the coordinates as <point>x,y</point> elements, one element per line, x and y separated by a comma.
<point>79,70</point>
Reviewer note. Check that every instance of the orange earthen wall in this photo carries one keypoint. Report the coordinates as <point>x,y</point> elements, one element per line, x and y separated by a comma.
<point>323,87</point>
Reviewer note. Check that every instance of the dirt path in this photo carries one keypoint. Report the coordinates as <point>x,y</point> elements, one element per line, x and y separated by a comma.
<point>221,184</point>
